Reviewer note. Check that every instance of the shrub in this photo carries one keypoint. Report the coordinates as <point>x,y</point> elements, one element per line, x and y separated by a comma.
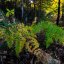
<point>52,32</point>
<point>16,35</point>
<point>22,36</point>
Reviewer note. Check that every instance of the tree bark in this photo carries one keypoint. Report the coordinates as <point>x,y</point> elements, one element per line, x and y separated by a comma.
<point>22,8</point>
<point>58,17</point>
<point>63,12</point>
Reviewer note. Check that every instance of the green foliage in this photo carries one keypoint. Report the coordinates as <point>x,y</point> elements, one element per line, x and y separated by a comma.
<point>10,12</point>
<point>48,6</point>
<point>32,44</point>
<point>17,35</point>
<point>52,32</point>
<point>9,37</point>
<point>1,32</point>
<point>22,36</point>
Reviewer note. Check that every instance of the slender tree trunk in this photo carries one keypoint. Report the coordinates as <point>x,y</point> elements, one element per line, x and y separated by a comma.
<point>40,3</point>
<point>63,13</point>
<point>58,17</point>
<point>22,8</point>
<point>34,8</point>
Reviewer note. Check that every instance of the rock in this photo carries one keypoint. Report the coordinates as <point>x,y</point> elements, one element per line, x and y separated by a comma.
<point>1,20</point>
<point>53,61</point>
<point>33,47</point>
<point>44,57</point>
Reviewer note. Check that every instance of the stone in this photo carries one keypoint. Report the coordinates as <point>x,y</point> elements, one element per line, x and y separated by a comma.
<point>45,58</point>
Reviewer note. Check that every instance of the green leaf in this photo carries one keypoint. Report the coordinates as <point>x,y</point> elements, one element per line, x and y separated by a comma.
<point>8,10</point>
<point>19,45</point>
<point>7,14</point>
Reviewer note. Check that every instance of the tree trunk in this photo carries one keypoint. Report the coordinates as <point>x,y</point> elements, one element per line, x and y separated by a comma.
<point>58,17</point>
<point>34,8</point>
<point>63,13</point>
<point>22,8</point>
<point>39,6</point>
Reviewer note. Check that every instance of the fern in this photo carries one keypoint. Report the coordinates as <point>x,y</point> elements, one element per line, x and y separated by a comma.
<point>19,45</point>
<point>17,34</point>
<point>52,32</point>
<point>1,32</point>
<point>32,44</point>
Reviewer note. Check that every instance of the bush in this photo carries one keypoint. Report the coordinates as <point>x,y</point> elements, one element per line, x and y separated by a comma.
<point>52,32</point>
<point>17,35</point>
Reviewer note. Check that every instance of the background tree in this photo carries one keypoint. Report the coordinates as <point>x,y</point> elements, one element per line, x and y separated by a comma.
<point>63,12</point>
<point>58,18</point>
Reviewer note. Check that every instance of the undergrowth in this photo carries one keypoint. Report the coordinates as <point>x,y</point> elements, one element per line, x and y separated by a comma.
<point>19,36</point>
<point>52,32</point>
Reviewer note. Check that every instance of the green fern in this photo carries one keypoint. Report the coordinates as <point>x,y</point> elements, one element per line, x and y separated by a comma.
<point>52,32</point>
<point>17,34</point>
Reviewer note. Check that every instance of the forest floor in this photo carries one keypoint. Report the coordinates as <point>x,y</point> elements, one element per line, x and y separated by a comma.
<point>56,51</point>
